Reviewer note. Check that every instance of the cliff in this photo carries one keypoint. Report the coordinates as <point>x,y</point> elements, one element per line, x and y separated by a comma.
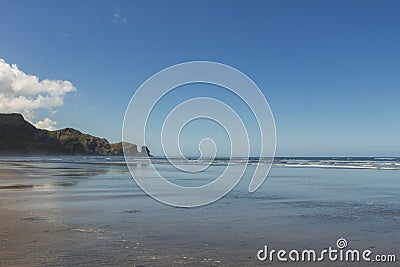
<point>20,138</point>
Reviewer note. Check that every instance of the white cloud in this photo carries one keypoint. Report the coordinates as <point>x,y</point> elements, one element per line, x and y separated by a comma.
<point>25,93</point>
<point>46,124</point>
<point>117,18</point>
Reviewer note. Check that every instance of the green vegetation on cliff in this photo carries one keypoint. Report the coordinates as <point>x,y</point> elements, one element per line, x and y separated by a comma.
<point>20,138</point>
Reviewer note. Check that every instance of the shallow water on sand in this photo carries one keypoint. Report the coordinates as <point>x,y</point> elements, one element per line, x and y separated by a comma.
<point>113,222</point>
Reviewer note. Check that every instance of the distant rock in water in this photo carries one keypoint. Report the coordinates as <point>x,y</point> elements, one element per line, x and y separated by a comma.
<point>20,138</point>
<point>131,149</point>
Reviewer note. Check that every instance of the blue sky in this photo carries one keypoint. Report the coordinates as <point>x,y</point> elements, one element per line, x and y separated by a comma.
<point>329,69</point>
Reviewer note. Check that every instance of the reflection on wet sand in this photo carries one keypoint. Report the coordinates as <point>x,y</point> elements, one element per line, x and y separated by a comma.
<point>73,213</point>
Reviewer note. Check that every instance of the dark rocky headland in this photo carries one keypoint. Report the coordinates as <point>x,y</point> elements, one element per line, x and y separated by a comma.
<point>20,138</point>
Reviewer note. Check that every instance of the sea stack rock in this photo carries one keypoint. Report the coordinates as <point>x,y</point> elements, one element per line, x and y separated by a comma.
<point>145,152</point>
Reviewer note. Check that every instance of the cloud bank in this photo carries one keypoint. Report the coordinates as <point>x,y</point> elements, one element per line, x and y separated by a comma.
<point>25,93</point>
<point>46,124</point>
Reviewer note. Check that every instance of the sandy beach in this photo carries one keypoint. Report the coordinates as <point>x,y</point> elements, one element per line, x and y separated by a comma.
<point>24,233</point>
<point>72,212</point>
<point>26,237</point>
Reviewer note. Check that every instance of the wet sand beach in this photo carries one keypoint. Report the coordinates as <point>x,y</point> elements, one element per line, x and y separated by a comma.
<point>26,237</point>
<point>89,212</point>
